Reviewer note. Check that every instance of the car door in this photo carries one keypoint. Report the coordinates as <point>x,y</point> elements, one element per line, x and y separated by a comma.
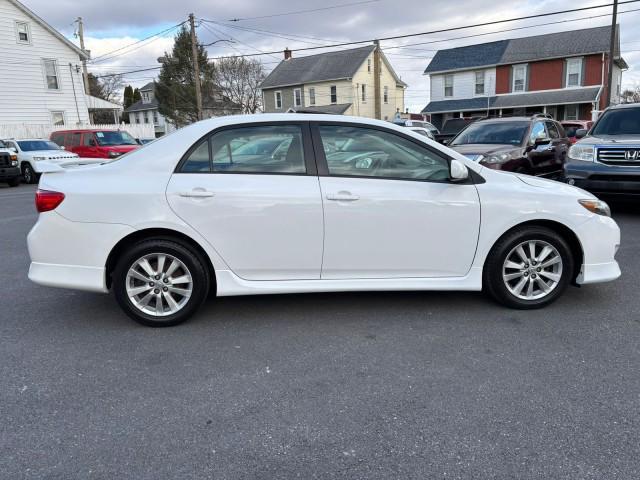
<point>560,144</point>
<point>260,210</point>
<point>88,147</point>
<point>541,155</point>
<point>75,142</point>
<point>390,210</point>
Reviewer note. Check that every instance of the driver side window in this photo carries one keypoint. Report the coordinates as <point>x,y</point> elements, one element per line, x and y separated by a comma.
<point>537,132</point>
<point>367,152</point>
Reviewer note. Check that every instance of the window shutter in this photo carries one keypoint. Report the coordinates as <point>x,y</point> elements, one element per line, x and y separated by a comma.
<point>526,82</point>
<point>564,73</point>
<point>584,70</point>
<point>510,79</point>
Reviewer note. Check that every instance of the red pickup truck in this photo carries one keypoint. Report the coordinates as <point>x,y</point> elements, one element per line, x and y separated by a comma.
<point>95,143</point>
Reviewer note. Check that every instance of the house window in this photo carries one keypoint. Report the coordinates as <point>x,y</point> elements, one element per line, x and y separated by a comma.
<point>146,117</point>
<point>571,112</point>
<point>51,74</point>
<point>155,117</point>
<point>145,97</point>
<point>137,117</point>
<point>519,78</point>
<point>23,33</point>
<point>448,85</point>
<point>480,83</point>
<point>363,89</point>
<point>278,98</point>
<point>574,72</point>
<point>57,118</point>
<point>385,95</point>
<point>334,94</point>
<point>369,65</point>
<point>297,97</point>
<point>312,96</point>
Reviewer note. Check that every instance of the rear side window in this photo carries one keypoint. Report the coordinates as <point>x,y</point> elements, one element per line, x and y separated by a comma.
<point>261,149</point>
<point>553,130</point>
<point>86,139</point>
<point>75,140</point>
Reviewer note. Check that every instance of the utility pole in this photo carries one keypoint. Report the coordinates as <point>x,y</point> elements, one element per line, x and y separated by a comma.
<point>85,74</point>
<point>196,66</point>
<point>612,52</point>
<point>377,102</point>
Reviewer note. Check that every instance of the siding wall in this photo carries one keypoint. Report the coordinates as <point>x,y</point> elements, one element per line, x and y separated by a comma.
<point>24,97</point>
<point>463,85</point>
<point>546,75</point>
<point>287,99</point>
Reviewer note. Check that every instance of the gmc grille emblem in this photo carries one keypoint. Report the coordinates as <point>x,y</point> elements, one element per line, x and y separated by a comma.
<point>632,154</point>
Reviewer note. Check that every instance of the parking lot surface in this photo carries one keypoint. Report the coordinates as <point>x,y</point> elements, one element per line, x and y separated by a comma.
<point>358,386</point>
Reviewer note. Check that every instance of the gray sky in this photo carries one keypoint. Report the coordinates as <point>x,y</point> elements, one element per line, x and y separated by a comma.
<point>117,23</point>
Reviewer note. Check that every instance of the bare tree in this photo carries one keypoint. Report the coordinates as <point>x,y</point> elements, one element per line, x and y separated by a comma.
<point>111,88</point>
<point>239,80</point>
<point>631,95</point>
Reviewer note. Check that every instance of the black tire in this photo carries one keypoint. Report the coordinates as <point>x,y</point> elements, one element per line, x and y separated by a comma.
<point>28,174</point>
<point>494,283</point>
<point>14,182</point>
<point>193,261</point>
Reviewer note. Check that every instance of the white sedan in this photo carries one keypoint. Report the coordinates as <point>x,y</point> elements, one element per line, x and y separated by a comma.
<point>350,204</point>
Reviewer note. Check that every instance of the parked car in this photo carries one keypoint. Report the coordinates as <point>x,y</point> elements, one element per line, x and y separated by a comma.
<point>9,170</point>
<point>532,145</point>
<point>354,204</point>
<point>572,126</point>
<point>418,123</point>
<point>95,143</point>
<point>423,131</point>
<point>452,127</point>
<point>606,159</point>
<point>31,152</point>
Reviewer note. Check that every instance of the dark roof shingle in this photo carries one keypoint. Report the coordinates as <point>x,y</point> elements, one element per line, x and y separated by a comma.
<point>317,68</point>
<point>527,49</point>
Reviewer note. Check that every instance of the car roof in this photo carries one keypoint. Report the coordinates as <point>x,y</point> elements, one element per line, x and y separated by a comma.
<point>90,130</point>
<point>510,119</point>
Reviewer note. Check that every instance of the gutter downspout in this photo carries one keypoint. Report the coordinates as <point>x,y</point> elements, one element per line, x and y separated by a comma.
<point>595,111</point>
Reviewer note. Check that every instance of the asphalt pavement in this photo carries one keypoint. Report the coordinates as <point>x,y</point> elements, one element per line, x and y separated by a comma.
<point>321,386</point>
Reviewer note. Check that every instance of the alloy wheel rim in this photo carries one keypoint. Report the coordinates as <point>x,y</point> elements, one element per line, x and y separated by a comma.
<point>532,270</point>
<point>159,284</point>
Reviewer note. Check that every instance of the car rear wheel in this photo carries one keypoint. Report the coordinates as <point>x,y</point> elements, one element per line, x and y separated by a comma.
<point>528,268</point>
<point>160,283</point>
<point>29,175</point>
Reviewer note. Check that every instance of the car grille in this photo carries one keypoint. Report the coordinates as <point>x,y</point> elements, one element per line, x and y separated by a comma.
<point>5,160</point>
<point>620,156</point>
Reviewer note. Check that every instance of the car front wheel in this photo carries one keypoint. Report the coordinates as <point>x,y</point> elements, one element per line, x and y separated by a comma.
<point>529,268</point>
<point>160,283</point>
<point>29,174</point>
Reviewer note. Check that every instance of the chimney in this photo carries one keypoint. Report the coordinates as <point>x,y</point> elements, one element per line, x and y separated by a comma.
<point>287,54</point>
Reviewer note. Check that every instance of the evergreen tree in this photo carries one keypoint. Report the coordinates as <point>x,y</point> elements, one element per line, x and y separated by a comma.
<point>175,87</point>
<point>128,96</point>
<point>137,96</point>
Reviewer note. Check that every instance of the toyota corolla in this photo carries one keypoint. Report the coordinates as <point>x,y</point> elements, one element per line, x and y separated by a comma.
<point>346,204</point>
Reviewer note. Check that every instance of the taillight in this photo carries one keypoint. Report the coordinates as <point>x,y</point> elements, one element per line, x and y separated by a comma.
<point>47,200</point>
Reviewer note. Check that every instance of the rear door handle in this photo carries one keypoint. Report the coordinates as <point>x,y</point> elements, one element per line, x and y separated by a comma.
<point>342,197</point>
<point>197,193</point>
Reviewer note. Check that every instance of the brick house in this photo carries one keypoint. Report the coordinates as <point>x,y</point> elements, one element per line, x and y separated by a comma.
<point>563,74</point>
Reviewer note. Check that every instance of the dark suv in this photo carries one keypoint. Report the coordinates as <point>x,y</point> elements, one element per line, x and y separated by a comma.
<point>9,170</point>
<point>607,160</point>
<point>532,145</point>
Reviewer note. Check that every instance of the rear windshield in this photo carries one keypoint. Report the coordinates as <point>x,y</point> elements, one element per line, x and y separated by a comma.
<point>109,138</point>
<point>625,121</point>
<point>454,125</point>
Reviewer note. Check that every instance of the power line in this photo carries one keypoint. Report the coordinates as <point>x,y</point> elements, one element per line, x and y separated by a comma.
<point>298,12</point>
<point>494,22</point>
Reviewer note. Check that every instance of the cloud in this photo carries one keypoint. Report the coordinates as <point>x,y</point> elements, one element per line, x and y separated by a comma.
<point>110,25</point>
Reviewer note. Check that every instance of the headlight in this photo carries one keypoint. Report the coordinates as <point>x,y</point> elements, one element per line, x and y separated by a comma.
<point>13,157</point>
<point>583,153</point>
<point>114,154</point>
<point>501,157</point>
<point>14,163</point>
<point>596,206</point>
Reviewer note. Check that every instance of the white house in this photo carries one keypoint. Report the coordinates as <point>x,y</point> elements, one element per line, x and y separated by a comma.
<point>41,81</point>
<point>145,111</point>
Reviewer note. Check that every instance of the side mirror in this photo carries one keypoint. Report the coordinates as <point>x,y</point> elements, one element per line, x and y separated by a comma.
<point>446,141</point>
<point>458,171</point>
<point>581,133</point>
<point>541,141</point>
<point>62,147</point>
<point>92,142</point>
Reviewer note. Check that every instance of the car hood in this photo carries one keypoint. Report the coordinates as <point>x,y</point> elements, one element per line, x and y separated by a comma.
<point>610,139</point>
<point>475,150</point>
<point>544,183</point>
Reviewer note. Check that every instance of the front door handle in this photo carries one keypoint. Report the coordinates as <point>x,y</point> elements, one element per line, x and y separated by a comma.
<point>197,193</point>
<point>342,197</point>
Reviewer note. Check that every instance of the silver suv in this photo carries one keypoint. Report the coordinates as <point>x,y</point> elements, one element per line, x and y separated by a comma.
<point>606,160</point>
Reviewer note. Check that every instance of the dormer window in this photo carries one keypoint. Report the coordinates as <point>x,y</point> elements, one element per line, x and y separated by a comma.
<point>574,72</point>
<point>146,97</point>
<point>23,34</point>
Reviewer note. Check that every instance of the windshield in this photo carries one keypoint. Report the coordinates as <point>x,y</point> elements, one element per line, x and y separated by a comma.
<point>625,121</point>
<point>35,145</point>
<point>493,133</point>
<point>110,138</point>
<point>2,144</point>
